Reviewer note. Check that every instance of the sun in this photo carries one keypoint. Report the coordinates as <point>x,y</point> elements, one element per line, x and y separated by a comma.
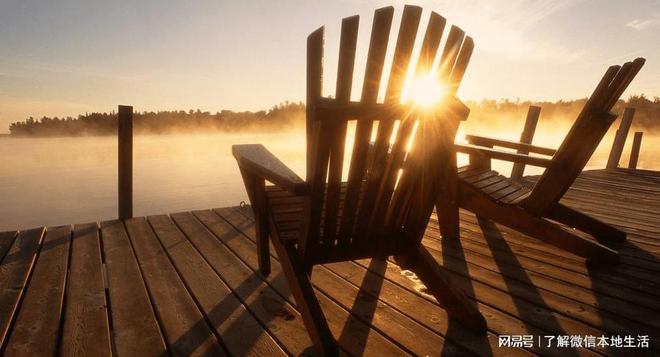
<point>426,90</point>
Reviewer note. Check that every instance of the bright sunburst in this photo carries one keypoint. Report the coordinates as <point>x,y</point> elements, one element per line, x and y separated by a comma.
<point>426,90</point>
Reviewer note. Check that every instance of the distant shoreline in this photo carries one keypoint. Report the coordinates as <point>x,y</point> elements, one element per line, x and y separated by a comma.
<point>146,133</point>
<point>288,114</point>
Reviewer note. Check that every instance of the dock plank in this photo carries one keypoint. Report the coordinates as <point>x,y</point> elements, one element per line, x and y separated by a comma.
<point>14,272</point>
<point>186,331</point>
<point>86,330</point>
<point>36,330</point>
<point>135,329</point>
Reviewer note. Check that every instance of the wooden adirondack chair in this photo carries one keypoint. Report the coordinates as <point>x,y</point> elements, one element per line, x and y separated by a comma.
<point>383,208</point>
<point>532,211</point>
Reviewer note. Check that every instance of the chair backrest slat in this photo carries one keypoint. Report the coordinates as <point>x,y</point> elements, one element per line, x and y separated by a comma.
<point>395,159</point>
<point>450,53</point>
<point>582,140</point>
<point>315,153</point>
<point>337,126</point>
<point>380,33</point>
<point>314,88</point>
<point>462,62</point>
<point>376,172</point>
<point>431,43</point>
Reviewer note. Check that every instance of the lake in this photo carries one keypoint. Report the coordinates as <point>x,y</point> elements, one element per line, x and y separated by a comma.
<point>53,181</point>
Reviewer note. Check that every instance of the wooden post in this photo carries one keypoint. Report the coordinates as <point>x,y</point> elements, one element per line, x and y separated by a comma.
<point>634,153</point>
<point>125,161</point>
<point>620,139</point>
<point>526,137</point>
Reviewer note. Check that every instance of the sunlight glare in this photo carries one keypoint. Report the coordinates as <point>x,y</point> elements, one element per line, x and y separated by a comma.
<point>427,90</point>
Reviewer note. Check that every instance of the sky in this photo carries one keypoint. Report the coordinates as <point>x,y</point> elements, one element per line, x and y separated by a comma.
<point>66,57</point>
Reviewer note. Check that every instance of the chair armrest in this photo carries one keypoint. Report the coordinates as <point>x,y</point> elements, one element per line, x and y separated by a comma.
<point>483,140</point>
<point>503,155</point>
<point>256,159</point>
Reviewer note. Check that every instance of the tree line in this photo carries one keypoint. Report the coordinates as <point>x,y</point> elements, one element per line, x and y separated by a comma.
<point>284,115</point>
<point>163,122</point>
<point>647,111</point>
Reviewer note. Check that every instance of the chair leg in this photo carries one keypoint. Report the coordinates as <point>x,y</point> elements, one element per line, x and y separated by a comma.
<point>256,190</point>
<point>448,219</point>
<point>439,284</point>
<point>261,227</point>
<point>306,302</point>
<point>602,231</point>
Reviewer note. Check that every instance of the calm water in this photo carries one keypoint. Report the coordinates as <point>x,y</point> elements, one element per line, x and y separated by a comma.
<point>65,180</point>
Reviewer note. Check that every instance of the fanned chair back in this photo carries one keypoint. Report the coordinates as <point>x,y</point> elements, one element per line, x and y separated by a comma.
<point>581,141</point>
<point>390,189</point>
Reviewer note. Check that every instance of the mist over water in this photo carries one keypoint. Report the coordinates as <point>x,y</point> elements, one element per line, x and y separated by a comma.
<point>53,181</point>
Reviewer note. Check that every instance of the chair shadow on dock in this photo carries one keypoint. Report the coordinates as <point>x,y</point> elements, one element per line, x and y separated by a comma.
<point>453,258</point>
<point>365,304</point>
<point>638,286</point>
<point>506,261</point>
<point>223,311</point>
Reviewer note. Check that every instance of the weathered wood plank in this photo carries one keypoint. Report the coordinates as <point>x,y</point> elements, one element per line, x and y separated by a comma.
<point>281,319</point>
<point>37,327</point>
<point>531,313</point>
<point>509,266</point>
<point>14,272</point>
<point>86,329</point>
<point>186,331</point>
<point>528,249</point>
<point>363,340</point>
<point>240,333</point>
<point>135,329</point>
<point>472,245</point>
<point>583,315</point>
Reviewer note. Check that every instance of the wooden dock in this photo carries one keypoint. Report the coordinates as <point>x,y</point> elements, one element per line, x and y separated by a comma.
<point>186,283</point>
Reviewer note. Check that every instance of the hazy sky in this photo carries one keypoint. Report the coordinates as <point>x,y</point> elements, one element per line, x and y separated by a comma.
<point>65,57</point>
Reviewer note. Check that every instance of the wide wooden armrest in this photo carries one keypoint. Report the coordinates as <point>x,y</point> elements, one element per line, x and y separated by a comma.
<point>503,155</point>
<point>483,140</point>
<point>256,159</point>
